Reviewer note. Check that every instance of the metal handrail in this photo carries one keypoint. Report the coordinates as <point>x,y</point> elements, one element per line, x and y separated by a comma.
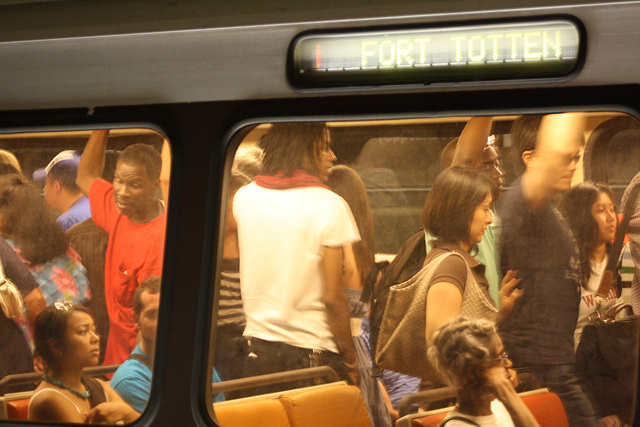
<point>426,396</point>
<point>34,377</point>
<point>278,377</point>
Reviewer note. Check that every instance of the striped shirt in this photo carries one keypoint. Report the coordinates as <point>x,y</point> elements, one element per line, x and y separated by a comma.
<point>634,233</point>
<point>230,304</point>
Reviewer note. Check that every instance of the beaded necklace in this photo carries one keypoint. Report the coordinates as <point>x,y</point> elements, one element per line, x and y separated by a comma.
<point>59,383</point>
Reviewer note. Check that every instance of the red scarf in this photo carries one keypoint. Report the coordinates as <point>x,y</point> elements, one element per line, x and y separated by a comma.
<point>299,179</point>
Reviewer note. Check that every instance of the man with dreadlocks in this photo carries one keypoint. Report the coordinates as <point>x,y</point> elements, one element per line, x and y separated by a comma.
<point>291,230</point>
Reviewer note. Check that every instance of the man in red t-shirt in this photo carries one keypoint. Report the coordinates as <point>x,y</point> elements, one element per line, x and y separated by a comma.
<point>135,219</point>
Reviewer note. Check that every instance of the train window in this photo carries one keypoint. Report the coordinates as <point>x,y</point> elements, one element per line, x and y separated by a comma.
<point>313,210</point>
<point>82,226</point>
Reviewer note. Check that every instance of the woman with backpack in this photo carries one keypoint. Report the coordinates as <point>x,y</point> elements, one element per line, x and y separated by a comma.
<point>457,210</point>
<point>451,282</point>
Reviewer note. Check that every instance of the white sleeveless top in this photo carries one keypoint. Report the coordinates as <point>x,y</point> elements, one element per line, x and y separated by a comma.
<point>33,396</point>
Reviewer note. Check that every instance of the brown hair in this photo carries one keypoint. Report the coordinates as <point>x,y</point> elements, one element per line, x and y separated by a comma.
<point>151,285</point>
<point>346,182</point>
<point>451,203</point>
<point>30,223</point>
<point>524,134</point>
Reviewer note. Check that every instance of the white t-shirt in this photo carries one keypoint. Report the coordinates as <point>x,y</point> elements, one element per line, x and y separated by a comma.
<point>587,297</point>
<point>499,418</point>
<point>282,235</point>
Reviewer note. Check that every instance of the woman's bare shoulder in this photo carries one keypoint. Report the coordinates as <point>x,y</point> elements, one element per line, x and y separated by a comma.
<point>51,405</point>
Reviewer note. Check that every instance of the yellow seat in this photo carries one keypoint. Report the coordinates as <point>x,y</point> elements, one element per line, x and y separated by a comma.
<point>336,406</point>
<point>263,412</point>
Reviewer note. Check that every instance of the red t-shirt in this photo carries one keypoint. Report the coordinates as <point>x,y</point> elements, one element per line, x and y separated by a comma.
<point>134,252</point>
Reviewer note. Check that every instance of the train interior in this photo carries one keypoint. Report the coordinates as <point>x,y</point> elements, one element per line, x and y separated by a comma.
<point>397,159</point>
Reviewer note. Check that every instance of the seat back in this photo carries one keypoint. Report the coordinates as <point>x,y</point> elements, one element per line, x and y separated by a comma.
<point>18,409</point>
<point>263,412</point>
<point>268,410</point>
<point>340,405</point>
<point>547,409</point>
<point>15,406</point>
<point>432,420</point>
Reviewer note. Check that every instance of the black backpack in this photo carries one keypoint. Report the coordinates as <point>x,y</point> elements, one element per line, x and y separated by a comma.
<point>408,262</point>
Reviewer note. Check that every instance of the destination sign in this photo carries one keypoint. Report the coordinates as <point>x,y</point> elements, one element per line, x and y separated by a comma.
<point>430,55</point>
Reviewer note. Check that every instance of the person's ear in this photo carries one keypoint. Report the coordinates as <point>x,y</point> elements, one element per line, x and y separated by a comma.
<point>136,319</point>
<point>527,157</point>
<point>57,187</point>
<point>55,347</point>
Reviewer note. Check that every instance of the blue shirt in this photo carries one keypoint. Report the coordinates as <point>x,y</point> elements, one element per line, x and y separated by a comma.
<point>132,381</point>
<point>79,211</point>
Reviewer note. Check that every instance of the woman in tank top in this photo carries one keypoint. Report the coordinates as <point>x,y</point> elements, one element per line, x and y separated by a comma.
<point>67,341</point>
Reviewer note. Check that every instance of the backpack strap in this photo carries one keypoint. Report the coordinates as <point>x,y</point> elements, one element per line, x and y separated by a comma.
<point>98,395</point>
<point>376,268</point>
<point>142,359</point>
<point>467,420</point>
<point>409,259</point>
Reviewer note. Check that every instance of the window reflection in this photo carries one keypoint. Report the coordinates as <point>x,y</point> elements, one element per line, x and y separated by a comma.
<point>82,220</point>
<point>397,163</point>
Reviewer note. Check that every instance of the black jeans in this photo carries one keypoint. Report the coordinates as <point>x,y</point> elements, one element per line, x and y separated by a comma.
<point>230,352</point>
<point>266,357</point>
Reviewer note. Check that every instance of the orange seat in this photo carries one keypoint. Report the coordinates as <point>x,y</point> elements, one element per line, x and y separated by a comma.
<point>18,409</point>
<point>336,406</point>
<point>547,408</point>
<point>263,412</point>
<point>429,421</point>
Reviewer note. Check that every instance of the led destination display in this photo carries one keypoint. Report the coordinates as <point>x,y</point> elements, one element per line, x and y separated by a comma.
<point>449,54</point>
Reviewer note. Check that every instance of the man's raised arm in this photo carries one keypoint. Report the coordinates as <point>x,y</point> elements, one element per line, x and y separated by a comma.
<point>472,141</point>
<point>92,161</point>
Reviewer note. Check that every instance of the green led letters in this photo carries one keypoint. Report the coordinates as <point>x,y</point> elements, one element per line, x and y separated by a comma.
<point>437,54</point>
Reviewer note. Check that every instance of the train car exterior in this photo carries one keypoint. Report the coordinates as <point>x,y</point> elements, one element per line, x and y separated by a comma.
<point>204,75</point>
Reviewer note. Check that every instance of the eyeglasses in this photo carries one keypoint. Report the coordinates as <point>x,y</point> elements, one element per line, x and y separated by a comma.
<point>504,356</point>
<point>63,305</point>
<point>574,159</point>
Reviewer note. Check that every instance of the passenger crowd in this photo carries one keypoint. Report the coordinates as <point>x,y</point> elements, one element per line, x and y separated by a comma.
<point>110,230</point>
<point>507,280</point>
